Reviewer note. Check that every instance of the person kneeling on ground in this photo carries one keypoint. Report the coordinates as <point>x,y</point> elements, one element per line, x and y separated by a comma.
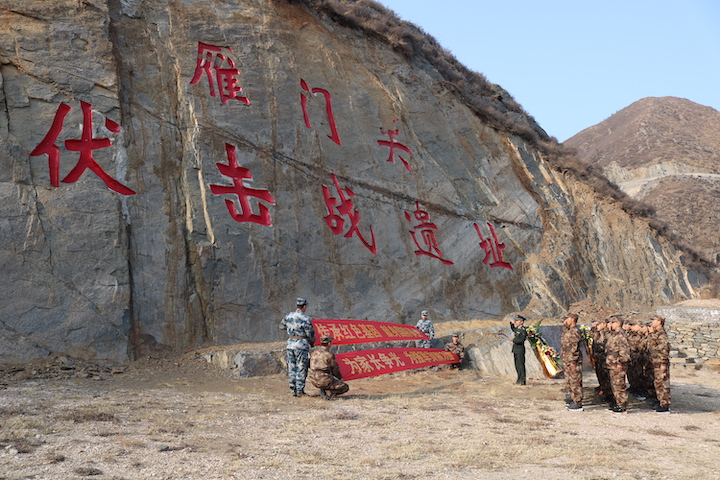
<point>325,371</point>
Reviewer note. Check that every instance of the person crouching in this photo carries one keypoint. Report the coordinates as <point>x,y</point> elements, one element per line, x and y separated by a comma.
<point>325,372</point>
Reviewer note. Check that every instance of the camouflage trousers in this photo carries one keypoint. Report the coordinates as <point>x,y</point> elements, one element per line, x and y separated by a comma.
<point>574,383</point>
<point>662,384</point>
<point>328,382</point>
<point>602,374</point>
<point>617,383</point>
<point>298,362</point>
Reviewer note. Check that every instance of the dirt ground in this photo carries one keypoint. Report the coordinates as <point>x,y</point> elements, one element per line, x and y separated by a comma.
<point>182,419</point>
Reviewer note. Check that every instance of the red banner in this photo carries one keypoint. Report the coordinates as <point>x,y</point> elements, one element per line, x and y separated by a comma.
<point>369,363</point>
<point>345,332</point>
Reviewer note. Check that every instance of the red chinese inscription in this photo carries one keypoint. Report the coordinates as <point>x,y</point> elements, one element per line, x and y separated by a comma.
<point>393,145</point>
<point>493,248</point>
<point>210,61</point>
<point>328,109</point>
<point>344,208</point>
<point>427,230</point>
<point>85,145</point>
<point>238,175</point>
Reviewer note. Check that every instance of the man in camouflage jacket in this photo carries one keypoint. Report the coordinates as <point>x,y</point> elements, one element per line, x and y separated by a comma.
<point>659,350</point>
<point>457,348</point>
<point>301,336</point>
<point>572,360</point>
<point>599,332</point>
<point>325,372</point>
<point>618,355</point>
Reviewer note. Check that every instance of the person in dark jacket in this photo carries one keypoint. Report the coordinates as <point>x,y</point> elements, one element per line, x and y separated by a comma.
<point>518,348</point>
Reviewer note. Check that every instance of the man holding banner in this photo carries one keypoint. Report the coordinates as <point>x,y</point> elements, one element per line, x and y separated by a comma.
<point>325,371</point>
<point>425,326</point>
<point>297,350</point>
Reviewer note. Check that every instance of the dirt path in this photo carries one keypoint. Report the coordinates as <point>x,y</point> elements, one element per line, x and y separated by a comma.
<point>182,420</point>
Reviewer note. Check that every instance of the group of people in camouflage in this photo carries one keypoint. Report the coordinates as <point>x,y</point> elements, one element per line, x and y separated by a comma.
<point>324,370</point>
<point>623,352</point>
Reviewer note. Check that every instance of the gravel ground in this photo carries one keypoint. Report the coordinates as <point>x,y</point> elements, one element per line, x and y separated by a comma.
<point>181,419</point>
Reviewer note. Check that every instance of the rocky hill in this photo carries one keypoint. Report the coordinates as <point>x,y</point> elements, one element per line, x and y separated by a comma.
<point>176,173</point>
<point>666,153</point>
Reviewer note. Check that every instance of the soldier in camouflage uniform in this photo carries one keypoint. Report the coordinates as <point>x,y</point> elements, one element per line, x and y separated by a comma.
<point>659,350</point>
<point>644,363</point>
<point>325,372</point>
<point>618,355</point>
<point>572,360</point>
<point>457,348</point>
<point>599,332</point>
<point>634,366</point>
<point>297,351</point>
<point>425,326</point>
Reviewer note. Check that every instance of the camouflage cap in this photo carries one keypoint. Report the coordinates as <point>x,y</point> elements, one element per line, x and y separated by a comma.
<point>424,312</point>
<point>301,302</point>
<point>456,335</point>
<point>326,339</point>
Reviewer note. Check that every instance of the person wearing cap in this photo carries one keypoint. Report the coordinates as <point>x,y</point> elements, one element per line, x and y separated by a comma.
<point>457,348</point>
<point>600,333</point>
<point>425,326</point>
<point>518,349</point>
<point>325,372</point>
<point>637,342</point>
<point>301,336</point>
<point>659,350</point>
<point>617,353</point>
<point>571,354</point>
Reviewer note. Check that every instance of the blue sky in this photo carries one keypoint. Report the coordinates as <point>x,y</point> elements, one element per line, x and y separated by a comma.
<point>572,64</point>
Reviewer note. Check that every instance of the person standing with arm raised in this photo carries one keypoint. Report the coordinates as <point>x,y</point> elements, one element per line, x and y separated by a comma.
<point>518,348</point>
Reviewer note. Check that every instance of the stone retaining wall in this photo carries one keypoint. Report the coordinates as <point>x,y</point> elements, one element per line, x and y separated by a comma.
<point>694,334</point>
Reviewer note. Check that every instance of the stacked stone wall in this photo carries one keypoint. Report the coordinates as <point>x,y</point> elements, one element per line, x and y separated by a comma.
<point>694,334</point>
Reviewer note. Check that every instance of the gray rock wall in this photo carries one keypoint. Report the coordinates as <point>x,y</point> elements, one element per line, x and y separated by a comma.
<point>95,273</point>
<point>694,334</point>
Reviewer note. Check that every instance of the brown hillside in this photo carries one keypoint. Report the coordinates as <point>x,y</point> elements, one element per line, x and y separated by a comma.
<point>682,136</point>
<point>689,206</point>
<point>654,130</point>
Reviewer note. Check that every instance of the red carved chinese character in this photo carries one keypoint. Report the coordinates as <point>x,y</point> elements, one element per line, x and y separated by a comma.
<point>238,174</point>
<point>344,207</point>
<point>85,145</point>
<point>393,145</point>
<point>493,248</point>
<point>209,58</point>
<point>328,109</point>
<point>47,146</point>
<point>427,233</point>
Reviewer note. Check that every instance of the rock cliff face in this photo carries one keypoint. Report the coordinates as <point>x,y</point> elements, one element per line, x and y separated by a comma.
<point>148,201</point>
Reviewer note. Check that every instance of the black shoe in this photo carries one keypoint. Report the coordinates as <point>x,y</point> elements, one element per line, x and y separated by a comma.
<point>574,407</point>
<point>619,409</point>
<point>300,393</point>
<point>662,409</point>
